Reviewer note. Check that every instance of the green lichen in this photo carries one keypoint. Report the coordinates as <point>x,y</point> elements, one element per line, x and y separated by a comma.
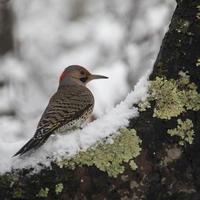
<point>109,157</point>
<point>168,98</point>
<point>43,192</point>
<point>58,188</point>
<point>182,25</point>
<point>198,62</point>
<point>133,165</point>
<point>17,193</point>
<point>184,131</point>
<point>172,97</point>
<point>144,105</point>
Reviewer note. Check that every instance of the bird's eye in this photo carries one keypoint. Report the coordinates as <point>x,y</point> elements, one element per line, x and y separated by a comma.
<point>83,79</point>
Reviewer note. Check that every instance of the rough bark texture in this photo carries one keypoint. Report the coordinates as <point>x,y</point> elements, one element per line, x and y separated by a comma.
<point>166,170</point>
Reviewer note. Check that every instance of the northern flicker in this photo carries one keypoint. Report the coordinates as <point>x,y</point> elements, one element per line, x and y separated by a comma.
<point>68,108</point>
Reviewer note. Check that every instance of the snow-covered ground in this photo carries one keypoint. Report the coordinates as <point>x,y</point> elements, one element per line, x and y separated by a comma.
<point>107,37</point>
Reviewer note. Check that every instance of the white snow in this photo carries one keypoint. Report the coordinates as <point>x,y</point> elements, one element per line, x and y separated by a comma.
<point>67,145</point>
<point>109,92</point>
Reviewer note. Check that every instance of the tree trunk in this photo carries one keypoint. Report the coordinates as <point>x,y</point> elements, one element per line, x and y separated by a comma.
<point>169,127</point>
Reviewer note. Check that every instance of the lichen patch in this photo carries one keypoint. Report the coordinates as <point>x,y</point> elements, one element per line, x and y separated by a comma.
<point>172,97</point>
<point>109,157</point>
<point>184,131</point>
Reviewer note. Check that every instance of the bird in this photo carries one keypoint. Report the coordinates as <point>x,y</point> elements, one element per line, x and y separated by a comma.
<point>69,108</point>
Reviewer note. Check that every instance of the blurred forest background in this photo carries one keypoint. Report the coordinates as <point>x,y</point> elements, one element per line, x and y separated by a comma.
<point>38,39</point>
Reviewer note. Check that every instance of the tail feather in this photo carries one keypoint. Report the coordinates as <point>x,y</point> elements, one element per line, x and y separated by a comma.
<point>33,143</point>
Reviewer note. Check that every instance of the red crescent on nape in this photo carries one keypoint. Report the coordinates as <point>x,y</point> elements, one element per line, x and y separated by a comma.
<point>63,75</point>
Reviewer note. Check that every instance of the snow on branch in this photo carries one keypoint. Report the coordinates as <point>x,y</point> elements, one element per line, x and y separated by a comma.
<point>65,146</point>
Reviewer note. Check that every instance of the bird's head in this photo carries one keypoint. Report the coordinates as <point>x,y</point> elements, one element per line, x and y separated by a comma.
<point>77,74</point>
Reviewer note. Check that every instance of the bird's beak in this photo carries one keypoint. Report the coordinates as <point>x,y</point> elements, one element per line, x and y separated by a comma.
<point>94,76</point>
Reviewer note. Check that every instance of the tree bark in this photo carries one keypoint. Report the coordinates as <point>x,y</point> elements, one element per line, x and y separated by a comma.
<point>167,169</point>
